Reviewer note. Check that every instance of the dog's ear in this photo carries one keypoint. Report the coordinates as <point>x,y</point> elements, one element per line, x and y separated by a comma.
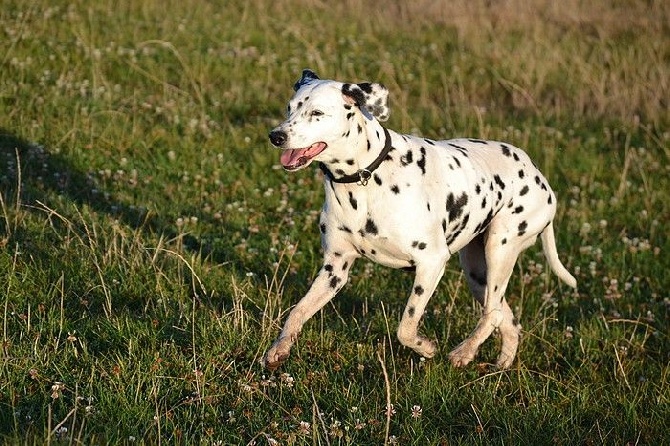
<point>372,96</point>
<point>307,77</point>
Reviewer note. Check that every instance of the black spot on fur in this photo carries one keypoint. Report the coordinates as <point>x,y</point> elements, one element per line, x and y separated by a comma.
<point>515,156</point>
<point>455,205</point>
<point>504,241</point>
<point>406,158</point>
<point>410,311</point>
<point>350,162</point>
<point>322,228</point>
<point>395,189</point>
<point>478,141</point>
<point>498,181</point>
<point>505,150</point>
<point>522,228</point>
<point>377,179</point>
<point>537,180</point>
<point>518,209</point>
<point>549,200</point>
<point>484,203</point>
<point>444,225</point>
<point>352,201</point>
<point>360,129</point>
<point>421,162</point>
<point>418,290</point>
<point>366,87</point>
<point>521,173</point>
<point>371,227</point>
<point>484,224</point>
<point>452,237</point>
<point>355,93</point>
<point>478,189</point>
<point>464,222</point>
<point>345,265</point>
<point>417,244</point>
<point>429,142</point>
<point>345,229</point>
<point>458,163</point>
<point>334,281</point>
<point>524,190</point>
<point>328,267</point>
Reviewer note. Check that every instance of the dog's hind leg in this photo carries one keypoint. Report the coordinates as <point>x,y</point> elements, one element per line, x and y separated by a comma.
<point>473,261</point>
<point>328,282</point>
<point>501,250</point>
<point>428,275</point>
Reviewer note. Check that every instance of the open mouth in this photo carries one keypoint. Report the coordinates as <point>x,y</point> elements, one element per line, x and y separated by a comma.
<point>294,159</point>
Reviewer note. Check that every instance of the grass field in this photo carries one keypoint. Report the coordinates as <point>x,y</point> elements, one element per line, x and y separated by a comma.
<point>150,245</point>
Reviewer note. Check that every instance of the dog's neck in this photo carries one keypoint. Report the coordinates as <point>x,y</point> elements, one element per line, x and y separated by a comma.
<point>369,148</point>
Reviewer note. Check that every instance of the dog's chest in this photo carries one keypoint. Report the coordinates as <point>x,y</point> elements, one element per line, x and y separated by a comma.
<point>391,220</point>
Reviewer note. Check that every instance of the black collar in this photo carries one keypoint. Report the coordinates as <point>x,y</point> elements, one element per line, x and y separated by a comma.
<point>363,175</point>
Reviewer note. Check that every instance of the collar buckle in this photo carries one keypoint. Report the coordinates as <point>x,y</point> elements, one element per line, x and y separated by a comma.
<point>364,176</point>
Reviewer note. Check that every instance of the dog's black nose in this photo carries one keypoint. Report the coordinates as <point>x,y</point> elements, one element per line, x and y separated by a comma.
<point>278,137</point>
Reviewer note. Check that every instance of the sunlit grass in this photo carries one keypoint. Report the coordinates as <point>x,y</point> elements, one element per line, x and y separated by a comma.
<point>150,245</point>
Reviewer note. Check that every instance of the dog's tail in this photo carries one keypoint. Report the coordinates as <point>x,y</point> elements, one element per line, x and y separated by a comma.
<point>549,248</point>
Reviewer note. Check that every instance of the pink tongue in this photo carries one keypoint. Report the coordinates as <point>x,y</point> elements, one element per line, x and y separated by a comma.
<point>294,158</point>
<point>291,157</point>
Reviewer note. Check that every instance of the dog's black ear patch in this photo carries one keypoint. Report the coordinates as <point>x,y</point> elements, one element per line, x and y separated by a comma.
<point>371,96</point>
<point>355,93</point>
<point>307,77</point>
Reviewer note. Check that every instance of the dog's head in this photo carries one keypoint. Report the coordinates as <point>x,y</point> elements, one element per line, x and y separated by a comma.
<point>324,116</point>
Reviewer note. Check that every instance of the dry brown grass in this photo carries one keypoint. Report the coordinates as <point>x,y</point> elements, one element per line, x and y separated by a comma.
<point>602,60</point>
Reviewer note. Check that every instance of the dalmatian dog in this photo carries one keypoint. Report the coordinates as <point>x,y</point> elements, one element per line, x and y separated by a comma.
<point>411,202</point>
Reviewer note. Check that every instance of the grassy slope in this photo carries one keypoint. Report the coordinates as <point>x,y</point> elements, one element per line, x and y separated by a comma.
<point>151,247</point>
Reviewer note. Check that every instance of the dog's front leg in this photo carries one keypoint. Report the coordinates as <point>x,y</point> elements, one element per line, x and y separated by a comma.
<point>328,282</point>
<point>428,275</point>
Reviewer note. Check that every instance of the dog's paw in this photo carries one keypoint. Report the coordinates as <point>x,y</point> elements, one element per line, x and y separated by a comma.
<point>425,347</point>
<point>462,355</point>
<point>277,354</point>
<point>504,361</point>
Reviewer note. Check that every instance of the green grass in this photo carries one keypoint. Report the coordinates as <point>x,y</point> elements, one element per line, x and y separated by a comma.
<point>150,247</point>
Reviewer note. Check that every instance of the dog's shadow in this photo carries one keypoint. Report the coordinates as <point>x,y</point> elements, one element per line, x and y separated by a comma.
<point>35,179</point>
<point>35,173</point>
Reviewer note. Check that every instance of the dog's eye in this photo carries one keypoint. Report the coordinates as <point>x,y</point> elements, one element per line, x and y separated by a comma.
<point>317,113</point>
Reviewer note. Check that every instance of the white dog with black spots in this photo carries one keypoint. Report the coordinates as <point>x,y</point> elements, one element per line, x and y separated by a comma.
<point>410,202</point>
